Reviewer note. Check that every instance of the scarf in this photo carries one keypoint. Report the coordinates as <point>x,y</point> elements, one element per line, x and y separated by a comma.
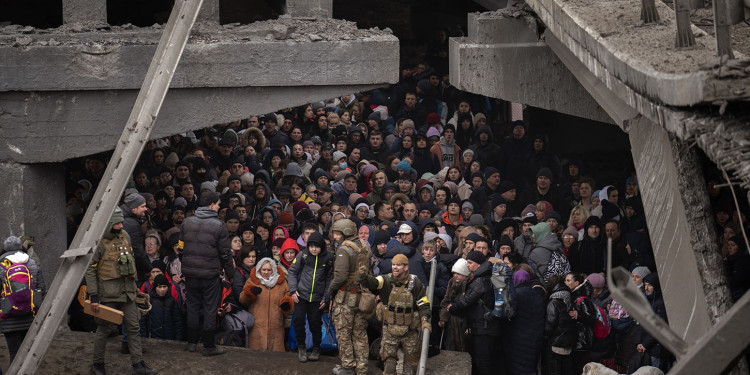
<point>271,281</point>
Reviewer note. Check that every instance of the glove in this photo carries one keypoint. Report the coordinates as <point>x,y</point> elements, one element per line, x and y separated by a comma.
<point>256,290</point>
<point>426,324</point>
<point>94,298</point>
<point>284,306</point>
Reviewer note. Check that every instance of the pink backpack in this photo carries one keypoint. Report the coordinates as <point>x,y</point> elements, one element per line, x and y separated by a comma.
<point>18,295</point>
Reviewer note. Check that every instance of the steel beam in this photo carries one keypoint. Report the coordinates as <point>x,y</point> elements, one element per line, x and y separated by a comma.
<point>128,150</point>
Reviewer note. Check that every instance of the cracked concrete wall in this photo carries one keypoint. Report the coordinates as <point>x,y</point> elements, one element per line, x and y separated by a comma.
<point>34,205</point>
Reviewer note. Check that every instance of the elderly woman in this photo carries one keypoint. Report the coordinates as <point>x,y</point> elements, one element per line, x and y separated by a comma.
<point>266,293</point>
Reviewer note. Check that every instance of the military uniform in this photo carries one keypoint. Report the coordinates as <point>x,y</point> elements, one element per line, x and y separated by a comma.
<point>110,281</point>
<point>350,323</point>
<point>404,311</point>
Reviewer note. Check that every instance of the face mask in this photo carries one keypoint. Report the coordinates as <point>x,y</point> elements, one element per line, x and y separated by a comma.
<point>115,231</point>
<point>343,166</point>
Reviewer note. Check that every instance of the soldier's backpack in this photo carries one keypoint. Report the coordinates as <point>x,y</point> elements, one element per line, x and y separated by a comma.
<point>366,302</point>
<point>505,292</point>
<point>18,295</point>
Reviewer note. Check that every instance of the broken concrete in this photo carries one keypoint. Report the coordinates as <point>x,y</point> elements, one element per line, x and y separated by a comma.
<point>71,353</point>
<point>270,53</point>
<point>309,8</point>
<point>503,57</point>
<point>607,37</point>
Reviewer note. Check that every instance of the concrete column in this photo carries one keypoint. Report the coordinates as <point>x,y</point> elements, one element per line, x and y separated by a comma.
<point>34,205</point>
<point>209,12</point>
<point>309,8</point>
<point>86,11</point>
<point>673,231</point>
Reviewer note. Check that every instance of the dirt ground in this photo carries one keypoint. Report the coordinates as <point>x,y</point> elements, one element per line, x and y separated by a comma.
<point>70,353</point>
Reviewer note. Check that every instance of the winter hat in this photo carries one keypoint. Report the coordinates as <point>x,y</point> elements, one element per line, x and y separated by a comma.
<point>317,239</point>
<point>447,239</point>
<point>452,186</point>
<point>299,205</point>
<point>234,177</point>
<point>338,155</point>
<point>407,124</point>
<point>554,215</point>
<point>528,211</point>
<point>367,169</point>
<point>404,166</point>
<point>479,116</point>
<point>530,219</point>
<point>476,219</point>
<point>652,279</point>
<point>278,242</point>
<point>461,268</point>
<point>433,118</point>
<point>449,127</point>
<point>497,200</point>
<point>520,277</point>
<point>353,197</point>
<point>362,205</point>
<point>429,236</point>
<point>208,198</point>
<point>13,243</point>
<point>400,259</point>
<point>740,242</point>
<point>505,241</point>
<point>489,171</point>
<point>506,186</point>
<point>381,236</point>
<point>433,132</point>
<point>609,211</point>
<point>546,172</point>
<point>283,191</point>
<point>375,116</point>
<point>158,264</point>
<point>424,84</point>
<point>596,280</point>
<point>231,214</point>
<point>476,257</point>
<point>134,200</point>
<point>591,221</point>
<point>293,169</point>
<point>473,237</point>
<point>181,201</point>
<point>456,200</point>
<point>465,117</point>
<point>160,280</point>
<point>571,231</point>
<point>641,271</point>
<point>468,151</point>
<point>209,185</point>
<point>286,218</point>
<point>467,204</point>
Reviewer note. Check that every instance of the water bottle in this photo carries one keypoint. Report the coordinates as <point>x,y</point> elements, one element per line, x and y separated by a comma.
<point>499,302</point>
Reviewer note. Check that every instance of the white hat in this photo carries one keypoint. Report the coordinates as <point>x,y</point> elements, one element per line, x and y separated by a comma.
<point>404,228</point>
<point>461,267</point>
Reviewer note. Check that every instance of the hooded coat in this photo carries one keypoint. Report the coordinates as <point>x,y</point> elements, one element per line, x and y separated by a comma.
<point>546,244</point>
<point>310,275</point>
<point>589,255</point>
<point>586,315</point>
<point>424,161</point>
<point>653,347</point>
<point>525,332</point>
<point>268,330</point>
<point>442,148</point>
<point>488,154</point>
<point>559,328</point>
<point>475,302</point>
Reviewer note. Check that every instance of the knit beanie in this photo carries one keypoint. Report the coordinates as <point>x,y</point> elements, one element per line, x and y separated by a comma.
<point>596,280</point>
<point>571,231</point>
<point>299,205</point>
<point>505,241</point>
<point>134,200</point>
<point>476,257</point>
<point>461,268</point>
<point>641,271</point>
<point>286,218</point>
<point>160,280</point>
<point>400,259</point>
<point>13,243</point>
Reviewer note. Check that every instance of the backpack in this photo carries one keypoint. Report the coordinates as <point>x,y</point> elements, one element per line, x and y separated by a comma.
<point>602,325</point>
<point>18,295</point>
<point>558,265</point>
<point>505,291</point>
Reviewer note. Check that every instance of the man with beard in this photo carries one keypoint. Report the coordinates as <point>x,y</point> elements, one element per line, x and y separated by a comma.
<point>134,209</point>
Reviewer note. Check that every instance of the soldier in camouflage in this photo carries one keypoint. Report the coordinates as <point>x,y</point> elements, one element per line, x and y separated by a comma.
<point>351,324</point>
<point>405,311</point>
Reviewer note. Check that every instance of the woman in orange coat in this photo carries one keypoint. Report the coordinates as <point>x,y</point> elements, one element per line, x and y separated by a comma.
<point>266,293</point>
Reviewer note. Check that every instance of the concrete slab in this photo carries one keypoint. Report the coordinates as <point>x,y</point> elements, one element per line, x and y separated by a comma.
<point>607,37</point>
<point>71,353</point>
<point>284,52</point>
<point>504,26</point>
<point>528,73</point>
<point>55,126</point>
<point>309,8</point>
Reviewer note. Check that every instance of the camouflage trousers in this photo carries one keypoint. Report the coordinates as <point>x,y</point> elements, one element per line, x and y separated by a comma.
<point>392,340</point>
<point>351,333</point>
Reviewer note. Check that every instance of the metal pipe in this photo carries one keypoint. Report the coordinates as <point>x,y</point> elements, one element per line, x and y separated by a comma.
<point>623,290</point>
<point>129,147</point>
<point>426,332</point>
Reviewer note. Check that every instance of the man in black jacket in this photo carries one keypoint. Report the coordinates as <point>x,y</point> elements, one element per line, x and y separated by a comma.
<point>204,240</point>
<point>474,304</point>
<point>134,210</point>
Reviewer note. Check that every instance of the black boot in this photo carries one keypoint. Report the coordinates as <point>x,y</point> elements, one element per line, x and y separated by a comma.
<point>314,354</point>
<point>98,369</point>
<point>209,347</point>
<point>124,349</point>
<point>140,368</point>
<point>192,339</point>
<point>302,354</point>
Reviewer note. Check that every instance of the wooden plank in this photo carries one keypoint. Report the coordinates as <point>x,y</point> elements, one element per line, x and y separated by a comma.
<point>105,312</point>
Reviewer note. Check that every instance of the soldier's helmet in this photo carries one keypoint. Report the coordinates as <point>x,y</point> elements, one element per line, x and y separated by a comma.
<point>346,227</point>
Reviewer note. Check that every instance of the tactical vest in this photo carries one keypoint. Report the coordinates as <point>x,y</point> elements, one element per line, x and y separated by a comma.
<point>400,310</point>
<point>117,260</point>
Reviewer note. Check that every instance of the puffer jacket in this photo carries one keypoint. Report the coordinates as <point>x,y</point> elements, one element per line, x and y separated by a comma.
<point>206,248</point>
<point>132,225</point>
<point>586,315</point>
<point>241,274</point>
<point>310,275</point>
<point>559,328</point>
<point>476,302</point>
<point>164,321</point>
<point>543,252</point>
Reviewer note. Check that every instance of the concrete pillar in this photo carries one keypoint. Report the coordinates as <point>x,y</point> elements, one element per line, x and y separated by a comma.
<point>34,205</point>
<point>309,8</point>
<point>673,235</point>
<point>86,11</point>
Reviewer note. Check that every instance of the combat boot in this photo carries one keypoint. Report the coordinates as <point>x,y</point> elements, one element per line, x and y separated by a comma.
<point>191,347</point>
<point>210,352</point>
<point>340,370</point>
<point>302,355</point>
<point>314,354</point>
<point>140,368</point>
<point>98,369</point>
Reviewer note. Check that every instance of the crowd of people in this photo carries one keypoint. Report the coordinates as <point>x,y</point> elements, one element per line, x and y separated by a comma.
<point>423,179</point>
